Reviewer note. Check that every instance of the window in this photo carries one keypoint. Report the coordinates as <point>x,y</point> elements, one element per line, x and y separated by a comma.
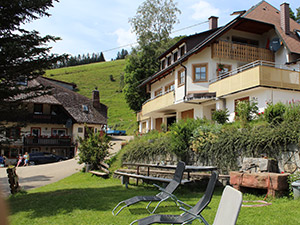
<point>182,51</point>
<point>36,131</point>
<point>200,72</point>
<point>59,132</point>
<point>158,92</point>
<point>85,108</point>
<point>221,69</point>
<point>169,60</point>
<point>169,87</point>
<point>22,80</point>
<point>246,41</point>
<point>163,64</point>
<point>181,77</point>
<point>54,110</point>
<point>38,109</point>
<point>80,130</point>
<point>175,56</point>
<point>13,133</point>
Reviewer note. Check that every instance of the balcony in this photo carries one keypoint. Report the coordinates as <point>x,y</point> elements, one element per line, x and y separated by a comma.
<point>47,141</point>
<point>244,53</point>
<point>159,103</point>
<point>258,73</point>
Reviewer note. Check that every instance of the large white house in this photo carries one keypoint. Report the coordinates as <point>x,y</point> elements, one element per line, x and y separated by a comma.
<point>256,55</point>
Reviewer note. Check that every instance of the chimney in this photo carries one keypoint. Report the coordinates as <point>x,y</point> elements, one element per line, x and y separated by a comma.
<point>213,22</point>
<point>285,17</point>
<point>96,98</point>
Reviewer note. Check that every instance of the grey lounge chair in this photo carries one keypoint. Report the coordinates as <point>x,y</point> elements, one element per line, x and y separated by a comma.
<point>189,215</point>
<point>229,207</point>
<point>165,193</point>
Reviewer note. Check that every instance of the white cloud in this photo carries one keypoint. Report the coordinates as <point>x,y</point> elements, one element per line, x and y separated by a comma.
<point>203,10</point>
<point>125,37</point>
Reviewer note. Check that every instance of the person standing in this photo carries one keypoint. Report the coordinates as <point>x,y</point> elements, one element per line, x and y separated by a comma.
<point>20,159</point>
<point>26,157</point>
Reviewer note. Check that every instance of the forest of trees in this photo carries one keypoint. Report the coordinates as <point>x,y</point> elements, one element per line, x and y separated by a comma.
<point>80,60</point>
<point>122,54</point>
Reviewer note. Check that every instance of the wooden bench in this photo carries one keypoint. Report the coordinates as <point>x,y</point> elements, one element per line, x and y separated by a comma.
<point>126,176</point>
<point>98,173</point>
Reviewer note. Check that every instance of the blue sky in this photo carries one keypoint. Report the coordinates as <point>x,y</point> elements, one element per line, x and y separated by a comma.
<point>88,26</point>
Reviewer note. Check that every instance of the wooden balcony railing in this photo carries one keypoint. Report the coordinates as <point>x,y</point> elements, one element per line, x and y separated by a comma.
<point>256,74</point>
<point>245,53</point>
<point>47,141</point>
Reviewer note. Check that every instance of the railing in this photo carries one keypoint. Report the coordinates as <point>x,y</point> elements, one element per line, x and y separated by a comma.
<point>252,65</point>
<point>158,103</point>
<point>256,74</point>
<point>157,96</point>
<point>245,53</point>
<point>47,141</point>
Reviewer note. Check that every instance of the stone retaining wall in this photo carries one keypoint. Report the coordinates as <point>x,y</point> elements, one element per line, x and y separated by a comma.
<point>288,162</point>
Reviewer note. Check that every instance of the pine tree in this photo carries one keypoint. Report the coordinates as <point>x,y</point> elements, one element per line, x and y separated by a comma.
<point>102,59</point>
<point>23,55</point>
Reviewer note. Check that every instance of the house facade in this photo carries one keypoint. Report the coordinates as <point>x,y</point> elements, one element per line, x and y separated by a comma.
<point>54,123</point>
<point>254,56</point>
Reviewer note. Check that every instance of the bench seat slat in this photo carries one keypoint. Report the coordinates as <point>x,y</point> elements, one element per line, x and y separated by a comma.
<point>161,179</point>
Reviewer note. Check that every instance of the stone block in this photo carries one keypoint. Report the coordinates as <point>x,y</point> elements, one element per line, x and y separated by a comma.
<point>273,182</point>
<point>254,165</point>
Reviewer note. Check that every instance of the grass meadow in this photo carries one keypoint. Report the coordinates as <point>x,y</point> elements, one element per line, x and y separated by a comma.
<point>85,199</point>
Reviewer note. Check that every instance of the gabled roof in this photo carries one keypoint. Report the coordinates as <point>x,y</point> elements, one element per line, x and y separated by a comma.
<point>257,14</point>
<point>267,13</point>
<point>190,40</point>
<point>73,103</point>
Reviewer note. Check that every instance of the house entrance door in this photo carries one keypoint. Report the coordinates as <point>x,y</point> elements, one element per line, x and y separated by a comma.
<point>158,123</point>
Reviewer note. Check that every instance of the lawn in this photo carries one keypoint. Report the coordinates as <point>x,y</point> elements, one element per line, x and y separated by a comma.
<point>87,77</point>
<point>85,199</point>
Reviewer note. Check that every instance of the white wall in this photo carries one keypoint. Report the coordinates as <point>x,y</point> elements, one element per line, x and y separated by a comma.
<point>162,83</point>
<point>263,96</point>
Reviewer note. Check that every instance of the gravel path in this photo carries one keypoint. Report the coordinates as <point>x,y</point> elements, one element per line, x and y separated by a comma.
<point>39,175</point>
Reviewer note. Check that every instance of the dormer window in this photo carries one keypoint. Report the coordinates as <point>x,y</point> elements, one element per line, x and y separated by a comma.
<point>169,60</point>
<point>163,64</point>
<point>85,108</point>
<point>298,33</point>
<point>175,56</point>
<point>22,80</point>
<point>182,50</point>
<point>38,109</point>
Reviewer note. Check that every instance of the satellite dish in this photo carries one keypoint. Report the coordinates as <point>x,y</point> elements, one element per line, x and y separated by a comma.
<point>275,44</point>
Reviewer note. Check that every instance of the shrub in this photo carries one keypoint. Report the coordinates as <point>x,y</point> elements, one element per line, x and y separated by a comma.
<point>220,116</point>
<point>94,149</point>
<point>205,135</point>
<point>292,112</point>
<point>246,111</point>
<point>274,113</point>
<point>181,134</point>
<point>147,147</point>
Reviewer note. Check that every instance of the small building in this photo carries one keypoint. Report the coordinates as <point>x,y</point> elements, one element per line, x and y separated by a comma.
<point>254,56</point>
<point>54,122</point>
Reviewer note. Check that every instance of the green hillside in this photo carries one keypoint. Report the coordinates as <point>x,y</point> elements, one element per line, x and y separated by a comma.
<point>87,77</point>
